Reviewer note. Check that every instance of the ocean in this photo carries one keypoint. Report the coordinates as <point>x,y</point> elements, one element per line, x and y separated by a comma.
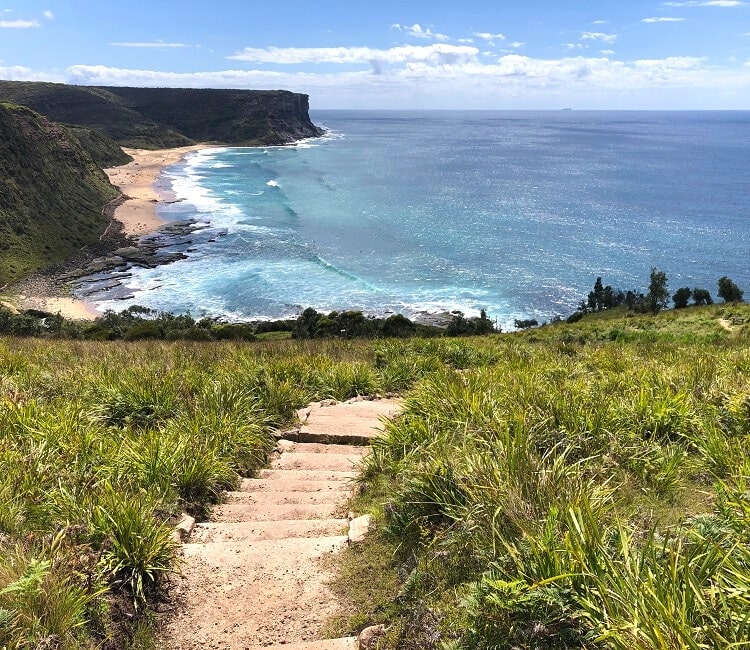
<point>516,213</point>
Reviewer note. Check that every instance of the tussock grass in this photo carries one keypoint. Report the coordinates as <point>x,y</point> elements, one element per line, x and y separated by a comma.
<point>563,487</point>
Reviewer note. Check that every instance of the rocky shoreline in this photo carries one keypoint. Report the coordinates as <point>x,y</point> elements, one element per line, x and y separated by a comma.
<point>106,264</point>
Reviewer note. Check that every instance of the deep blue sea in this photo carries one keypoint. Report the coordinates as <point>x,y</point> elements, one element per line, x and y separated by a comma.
<point>513,212</point>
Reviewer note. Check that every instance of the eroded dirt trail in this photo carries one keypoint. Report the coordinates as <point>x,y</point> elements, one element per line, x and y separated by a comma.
<point>252,576</point>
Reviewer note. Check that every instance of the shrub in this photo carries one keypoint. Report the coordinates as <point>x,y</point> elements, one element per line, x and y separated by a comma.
<point>681,297</point>
<point>729,291</point>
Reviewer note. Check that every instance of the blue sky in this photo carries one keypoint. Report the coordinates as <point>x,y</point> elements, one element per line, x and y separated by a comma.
<point>607,54</point>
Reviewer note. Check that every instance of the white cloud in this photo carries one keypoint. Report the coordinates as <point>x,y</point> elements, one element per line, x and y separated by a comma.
<point>149,44</point>
<point>573,46</point>
<point>464,40</point>
<point>487,36</point>
<point>599,36</point>
<point>600,22</point>
<point>435,54</point>
<point>663,19</point>
<point>48,15</point>
<point>516,44</point>
<point>418,77</point>
<point>706,3</point>
<point>417,31</point>
<point>21,73</point>
<point>19,24</point>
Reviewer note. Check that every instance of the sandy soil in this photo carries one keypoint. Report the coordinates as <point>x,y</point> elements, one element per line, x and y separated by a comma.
<point>255,576</point>
<point>136,181</point>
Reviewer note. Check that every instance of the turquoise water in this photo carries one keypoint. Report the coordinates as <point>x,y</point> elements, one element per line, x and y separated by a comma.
<point>516,213</point>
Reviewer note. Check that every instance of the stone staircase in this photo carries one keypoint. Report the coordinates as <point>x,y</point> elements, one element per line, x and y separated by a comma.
<point>252,576</point>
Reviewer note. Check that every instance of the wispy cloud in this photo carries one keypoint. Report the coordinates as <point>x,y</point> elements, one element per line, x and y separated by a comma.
<point>600,22</point>
<point>521,75</point>
<point>606,52</point>
<point>489,37</point>
<point>156,44</point>
<point>663,19</point>
<point>435,54</point>
<point>599,36</point>
<point>417,31</point>
<point>706,3</point>
<point>19,24</point>
<point>48,15</point>
<point>516,44</point>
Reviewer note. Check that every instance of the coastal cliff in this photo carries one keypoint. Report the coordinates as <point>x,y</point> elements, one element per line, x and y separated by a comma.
<point>155,118</point>
<point>51,193</point>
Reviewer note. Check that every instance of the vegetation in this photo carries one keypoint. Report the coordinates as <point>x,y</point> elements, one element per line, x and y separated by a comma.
<point>729,291</point>
<point>155,118</point>
<point>565,488</point>
<point>51,193</point>
<point>137,323</point>
<point>548,488</point>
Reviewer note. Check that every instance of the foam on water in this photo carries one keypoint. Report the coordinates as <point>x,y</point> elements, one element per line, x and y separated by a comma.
<point>514,213</point>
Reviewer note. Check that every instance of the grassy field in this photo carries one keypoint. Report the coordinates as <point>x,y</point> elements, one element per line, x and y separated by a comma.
<point>578,485</point>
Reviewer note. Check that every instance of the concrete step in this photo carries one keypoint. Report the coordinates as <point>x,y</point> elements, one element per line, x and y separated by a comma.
<point>322,448</point>
<point>294,485</point>
<point>236,512</point>
<point>261,593</point>
<point>306,474</point>
<point>283,498</point>
<point>348,643</point>
<point>246,531</point>
<point>315,462</point>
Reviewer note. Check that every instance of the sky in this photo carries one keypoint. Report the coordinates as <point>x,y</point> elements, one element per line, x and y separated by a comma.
<point>411,54</point>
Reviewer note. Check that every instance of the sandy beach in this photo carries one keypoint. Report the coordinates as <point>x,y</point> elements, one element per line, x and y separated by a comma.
<point>136,181</point>
<point>137,214</point>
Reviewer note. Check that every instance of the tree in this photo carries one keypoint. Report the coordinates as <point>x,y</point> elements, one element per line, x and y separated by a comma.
<point>681,297</point>
<point>729,290</point>
<point>702,297</point>
<point>306,324</point>
<point>658,293</point>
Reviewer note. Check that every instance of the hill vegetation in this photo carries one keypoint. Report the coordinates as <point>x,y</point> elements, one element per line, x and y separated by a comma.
<point>157,118</point>
<point>51,191</point>
<point>575,485</point>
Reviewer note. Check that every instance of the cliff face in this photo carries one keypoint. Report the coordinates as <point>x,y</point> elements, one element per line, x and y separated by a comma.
<point>51,193</point>
<point>171,117</point>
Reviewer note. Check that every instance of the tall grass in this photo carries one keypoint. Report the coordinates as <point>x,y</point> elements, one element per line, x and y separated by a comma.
<point>548,489</point>
<point>557,497</point>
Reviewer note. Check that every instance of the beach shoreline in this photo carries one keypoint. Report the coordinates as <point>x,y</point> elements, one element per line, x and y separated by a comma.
<point>136,181</point>
<point>132,215</point>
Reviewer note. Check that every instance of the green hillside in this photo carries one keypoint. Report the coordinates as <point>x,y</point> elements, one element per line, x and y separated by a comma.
<point>171,117</point>
<point>51,192</point>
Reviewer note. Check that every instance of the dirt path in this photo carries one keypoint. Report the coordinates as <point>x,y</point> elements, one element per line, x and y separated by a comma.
<point>252,576</point>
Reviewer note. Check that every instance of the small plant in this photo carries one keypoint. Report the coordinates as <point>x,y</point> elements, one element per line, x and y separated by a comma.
<point>137,550</point>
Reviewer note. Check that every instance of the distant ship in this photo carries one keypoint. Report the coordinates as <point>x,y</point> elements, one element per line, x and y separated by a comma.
<point>566,109</point>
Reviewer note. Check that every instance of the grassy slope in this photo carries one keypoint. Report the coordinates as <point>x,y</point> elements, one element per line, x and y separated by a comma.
<point>476,488</point>
<point>51,193</point>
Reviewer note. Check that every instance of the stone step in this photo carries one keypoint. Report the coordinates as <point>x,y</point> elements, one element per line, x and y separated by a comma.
<point>261,593</point>
<point>236,512</point>
<point>283,498</point>
<point>307,435</point>
<point>306,474</point>
<point>316,462</point>
<point>294,485</point>
<point>246,531</point>
<point>348,643</point>
<point>322,448</point>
